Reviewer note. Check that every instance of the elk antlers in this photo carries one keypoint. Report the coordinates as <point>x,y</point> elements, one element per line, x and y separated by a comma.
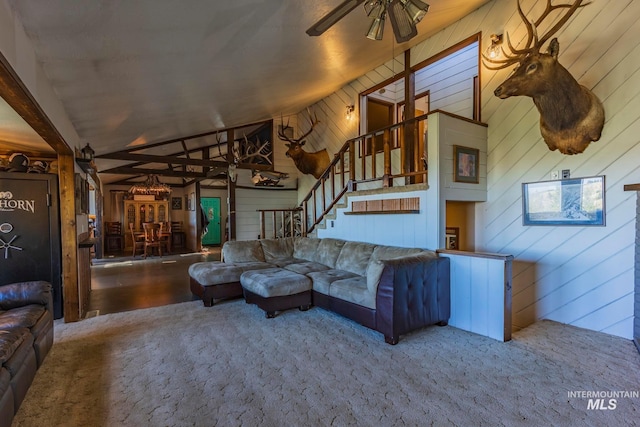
<point>534,44</point>
<point>252,150</point>
<point>313,121</point>
<point>248,151</point>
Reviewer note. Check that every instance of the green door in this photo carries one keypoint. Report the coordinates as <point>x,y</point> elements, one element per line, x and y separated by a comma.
<point>211,206</point>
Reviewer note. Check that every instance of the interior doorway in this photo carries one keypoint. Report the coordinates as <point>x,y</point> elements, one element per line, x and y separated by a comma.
<point>380,114</point>
<point>460,229</point>
<point>211,207</point>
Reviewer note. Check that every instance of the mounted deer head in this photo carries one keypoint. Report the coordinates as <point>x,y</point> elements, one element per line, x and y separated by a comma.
<point>307,163</point>
<point>571,116</point>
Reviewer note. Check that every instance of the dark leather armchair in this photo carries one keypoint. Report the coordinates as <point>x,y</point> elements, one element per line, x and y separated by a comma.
<point>26,336</point>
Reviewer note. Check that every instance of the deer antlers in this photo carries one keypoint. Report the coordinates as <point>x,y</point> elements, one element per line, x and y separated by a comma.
<point>533,42</point>
<point>313,121</point>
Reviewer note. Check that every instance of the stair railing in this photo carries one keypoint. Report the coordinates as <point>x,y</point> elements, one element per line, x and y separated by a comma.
<point>281,223</point>
<point>356,163</point>
<point>345,172</point>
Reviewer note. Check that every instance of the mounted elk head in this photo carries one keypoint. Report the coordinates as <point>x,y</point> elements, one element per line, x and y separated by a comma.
<point>307,163</point>
<point>571,116</point>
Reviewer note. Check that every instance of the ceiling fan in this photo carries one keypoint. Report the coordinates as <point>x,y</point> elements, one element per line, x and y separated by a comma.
<point>403,14</point>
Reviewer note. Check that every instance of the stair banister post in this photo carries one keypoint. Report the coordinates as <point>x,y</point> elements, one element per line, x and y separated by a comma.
<point>386,178</point>
<point>352,160</point>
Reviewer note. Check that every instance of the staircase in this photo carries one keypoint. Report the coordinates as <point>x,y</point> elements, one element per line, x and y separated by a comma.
<point>350,171</point>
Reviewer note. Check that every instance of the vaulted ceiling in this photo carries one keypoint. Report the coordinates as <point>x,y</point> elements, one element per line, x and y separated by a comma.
<point>134,73</point>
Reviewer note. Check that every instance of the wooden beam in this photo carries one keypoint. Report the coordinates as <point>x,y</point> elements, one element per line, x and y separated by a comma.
<point>15,92</point>
<point>200,135</point>
<point>126,170</point>
<point>149,158</point>
<point>231,216</point>
<point>409,113</point>
<point>70,295</point>
<point>199,224</point>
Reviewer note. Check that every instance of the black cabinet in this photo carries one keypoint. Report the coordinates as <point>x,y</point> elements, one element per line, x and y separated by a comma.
<point>30,247</point>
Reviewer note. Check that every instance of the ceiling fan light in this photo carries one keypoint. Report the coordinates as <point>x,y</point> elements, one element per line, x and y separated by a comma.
<point>376,30</point>
<point>373,7</point>
<point>416,9</point>
<point>403,28</point>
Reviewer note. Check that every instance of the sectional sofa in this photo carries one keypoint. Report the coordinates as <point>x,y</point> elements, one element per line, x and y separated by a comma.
<point>392,290</point>
<point>26,336</point>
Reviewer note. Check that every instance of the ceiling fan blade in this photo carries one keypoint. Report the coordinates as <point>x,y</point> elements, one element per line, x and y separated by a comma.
<point>403,28</point>
<point>332,17</point>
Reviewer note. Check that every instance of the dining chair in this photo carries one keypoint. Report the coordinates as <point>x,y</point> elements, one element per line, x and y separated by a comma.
<point>178,236</point>
<point>165,235</point>
<point>113,239</point>
<point>137,240</point>
<point>152,237</point>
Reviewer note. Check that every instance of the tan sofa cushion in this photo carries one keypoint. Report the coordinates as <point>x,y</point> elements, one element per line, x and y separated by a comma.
<point>305,247</point>
<point>381,253</point>
<point>354,257</point>
<point>306,267</point>
<point>323,279</point>
<point>353,290</point>
<point>328,251</point>
<point>242,251</point>
<point>210,273</point>
<point>277,249</point>
<point>274,282</point>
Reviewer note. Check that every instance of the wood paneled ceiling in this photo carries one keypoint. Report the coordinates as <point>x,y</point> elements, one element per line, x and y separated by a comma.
<point>134,73</point>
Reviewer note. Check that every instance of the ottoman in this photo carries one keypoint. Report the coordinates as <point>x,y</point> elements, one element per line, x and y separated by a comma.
<point>276,289</point>
<point>213,280</point>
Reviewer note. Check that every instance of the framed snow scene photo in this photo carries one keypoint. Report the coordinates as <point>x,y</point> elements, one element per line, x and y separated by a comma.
<point>578,201</point>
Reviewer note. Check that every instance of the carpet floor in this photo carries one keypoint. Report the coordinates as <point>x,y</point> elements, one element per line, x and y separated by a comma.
<point>187,365</point>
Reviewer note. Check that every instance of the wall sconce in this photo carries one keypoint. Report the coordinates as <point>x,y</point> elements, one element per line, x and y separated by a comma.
<point>349,114</point>
<point>493,51</point>
<point>87,153</point>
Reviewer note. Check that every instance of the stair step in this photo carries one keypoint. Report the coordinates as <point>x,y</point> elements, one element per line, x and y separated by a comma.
<point>344,201</point>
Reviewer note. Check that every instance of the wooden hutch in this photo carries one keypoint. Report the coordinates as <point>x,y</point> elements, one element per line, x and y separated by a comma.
<point>141,209</point>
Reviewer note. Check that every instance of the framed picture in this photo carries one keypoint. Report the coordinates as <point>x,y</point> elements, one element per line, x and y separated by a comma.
<point>81,193</point>
<point>451,238</point>
<point>578,201</point>
<point>466,162</point>
<point>176,203</point>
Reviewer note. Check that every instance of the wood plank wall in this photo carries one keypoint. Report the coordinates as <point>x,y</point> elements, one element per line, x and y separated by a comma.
<point>481,293</point>
<point>398,229</point>
<point>576,275</point>
<point>248,201</point>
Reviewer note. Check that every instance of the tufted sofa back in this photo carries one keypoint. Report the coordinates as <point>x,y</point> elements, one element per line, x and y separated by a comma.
<point>363,259</point>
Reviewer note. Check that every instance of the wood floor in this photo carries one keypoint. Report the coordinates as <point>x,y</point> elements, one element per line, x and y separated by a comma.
<point>122,283</point>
